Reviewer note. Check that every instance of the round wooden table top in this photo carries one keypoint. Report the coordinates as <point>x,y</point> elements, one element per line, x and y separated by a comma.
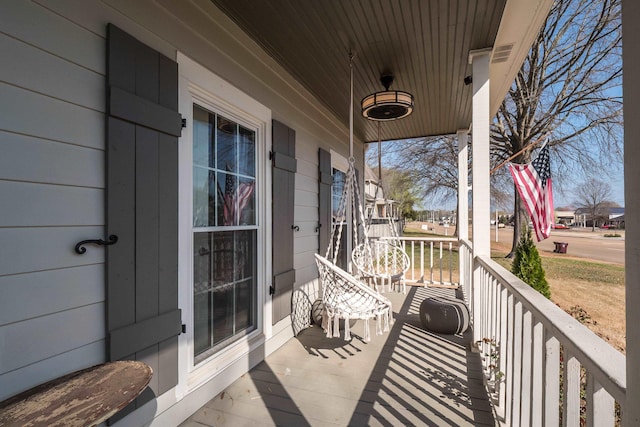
<point>83,398</point>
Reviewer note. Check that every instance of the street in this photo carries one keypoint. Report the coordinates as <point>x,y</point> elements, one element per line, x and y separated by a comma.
<point>582,242</point>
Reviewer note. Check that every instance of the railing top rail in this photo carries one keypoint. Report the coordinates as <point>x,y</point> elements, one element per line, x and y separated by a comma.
<point>425,239</point>
<point>466,243</point>
<point>604,362</point>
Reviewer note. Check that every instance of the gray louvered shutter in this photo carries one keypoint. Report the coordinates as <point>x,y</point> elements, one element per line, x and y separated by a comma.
<point>325,181</point>
<point>143,126</point>
<point>283,157</point>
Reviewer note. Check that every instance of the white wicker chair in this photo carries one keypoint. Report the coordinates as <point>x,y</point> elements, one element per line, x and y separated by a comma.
<point>346,297</point>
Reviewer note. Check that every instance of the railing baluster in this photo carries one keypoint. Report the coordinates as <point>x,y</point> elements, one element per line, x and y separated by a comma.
<point>517,363</point>
<point>537,374</point>
<point>440,262</point>
<point>600,405</point>
<point>552,381</point>
<point>571,395</point>
<point>525,398</point>
<point>422,262</point>
<point>511,354</point>
<point>450,262</point>
<point>430,262</point>
<point>413,258</point>
<point>501,342</point>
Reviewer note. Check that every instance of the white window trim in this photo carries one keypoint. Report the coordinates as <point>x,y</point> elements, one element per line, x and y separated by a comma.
<point>200,86</point>
<point>338,161</point>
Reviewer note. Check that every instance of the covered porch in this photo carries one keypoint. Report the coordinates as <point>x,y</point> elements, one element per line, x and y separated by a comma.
<point>406,377</point>
<point>524,361</point>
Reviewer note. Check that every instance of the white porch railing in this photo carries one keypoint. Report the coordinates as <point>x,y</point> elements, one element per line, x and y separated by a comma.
<point>542,366</point>
<point>536,356</point>
<point>382,229</point>
<point>433,260</point>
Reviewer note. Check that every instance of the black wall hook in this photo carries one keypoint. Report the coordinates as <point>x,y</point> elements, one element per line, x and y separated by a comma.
<point>295,228</point>
<point>80,249</point>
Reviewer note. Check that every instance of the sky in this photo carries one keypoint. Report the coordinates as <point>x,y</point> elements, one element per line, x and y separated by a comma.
<point>563,193</point>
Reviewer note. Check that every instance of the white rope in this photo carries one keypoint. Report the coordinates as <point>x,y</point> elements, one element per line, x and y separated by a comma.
<point>345,297</point>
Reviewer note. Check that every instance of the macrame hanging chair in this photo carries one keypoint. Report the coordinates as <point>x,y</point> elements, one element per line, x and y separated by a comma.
<point>345,296</point>
<point>382,261</point>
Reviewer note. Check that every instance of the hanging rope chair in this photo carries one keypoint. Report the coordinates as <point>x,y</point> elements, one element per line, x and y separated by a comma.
<point>383,261</point>
<point>344,295</point>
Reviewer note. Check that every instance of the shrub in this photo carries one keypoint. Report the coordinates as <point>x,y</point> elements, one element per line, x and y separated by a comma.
<point>527,265</point>
<point>612,235</point>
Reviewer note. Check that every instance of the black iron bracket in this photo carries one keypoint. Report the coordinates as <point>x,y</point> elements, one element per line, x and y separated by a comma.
<point>272,290</point>
<point>80,249</point>
<point>318,227</point>
<point>295,228</point>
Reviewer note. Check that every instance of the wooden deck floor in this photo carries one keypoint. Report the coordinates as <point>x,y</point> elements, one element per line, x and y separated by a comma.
<point>405,377</point>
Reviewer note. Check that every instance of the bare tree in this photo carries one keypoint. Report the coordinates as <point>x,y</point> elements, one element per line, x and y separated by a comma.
<point>432,166</point>
<point>593,196</point>
<point>567,91</point>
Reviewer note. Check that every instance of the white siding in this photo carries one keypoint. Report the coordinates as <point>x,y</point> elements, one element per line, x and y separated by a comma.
<point>52,196</point>
<point>52,96</point>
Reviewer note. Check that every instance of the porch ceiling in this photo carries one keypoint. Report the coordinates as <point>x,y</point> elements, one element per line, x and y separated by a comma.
<point>424,43</point>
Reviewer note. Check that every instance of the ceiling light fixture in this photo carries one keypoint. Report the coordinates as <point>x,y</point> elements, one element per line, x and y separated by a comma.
<point>387,105</point>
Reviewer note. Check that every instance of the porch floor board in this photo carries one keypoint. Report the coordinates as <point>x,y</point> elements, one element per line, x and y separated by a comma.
<point>405,377</point>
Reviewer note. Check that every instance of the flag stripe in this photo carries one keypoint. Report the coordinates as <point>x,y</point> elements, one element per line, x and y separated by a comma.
<point>533,182</point>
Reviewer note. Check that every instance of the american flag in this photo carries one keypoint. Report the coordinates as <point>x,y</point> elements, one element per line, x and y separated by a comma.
<point>235,199</point>
<point>533,182</point>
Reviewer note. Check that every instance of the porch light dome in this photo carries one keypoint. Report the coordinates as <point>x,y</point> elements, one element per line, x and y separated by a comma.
<point>388,104</point>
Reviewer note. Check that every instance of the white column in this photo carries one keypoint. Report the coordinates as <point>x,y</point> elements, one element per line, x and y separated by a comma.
<point>631,92</point>
<point>463,184</point>
<point>480,162</point>
<point>481,199</point>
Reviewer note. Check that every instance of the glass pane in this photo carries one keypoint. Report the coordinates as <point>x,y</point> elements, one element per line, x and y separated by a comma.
<point>222,315</point>
<point>202,292</point>
<point>202,142</point>
<point>246,201</point>
<point>226,145</point>
<point>339,181</point>
<point>203,204</point>
<point>245,242</point>
<point>224,286</point>
<point>337,188</point>
<point>227,203</point>
<point>246,152</point>
<point>223,258</point>
<point>244,305</point>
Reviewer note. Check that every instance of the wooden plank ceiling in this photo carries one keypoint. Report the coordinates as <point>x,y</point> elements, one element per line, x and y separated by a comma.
<point>425,44</point>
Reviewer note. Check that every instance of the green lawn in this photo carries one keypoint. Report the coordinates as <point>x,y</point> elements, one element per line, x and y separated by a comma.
<point>574,270</point>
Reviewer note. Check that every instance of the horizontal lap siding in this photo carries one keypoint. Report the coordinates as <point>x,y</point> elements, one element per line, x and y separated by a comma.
<point>52,134</point>
<point>52,192</point>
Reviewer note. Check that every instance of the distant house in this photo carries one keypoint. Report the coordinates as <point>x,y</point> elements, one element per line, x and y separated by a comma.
<point>565,215</point>
<point>378,208</point>
<point>606,216</point>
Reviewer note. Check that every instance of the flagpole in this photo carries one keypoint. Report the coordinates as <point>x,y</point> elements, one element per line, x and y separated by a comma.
<point>533,144</point>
